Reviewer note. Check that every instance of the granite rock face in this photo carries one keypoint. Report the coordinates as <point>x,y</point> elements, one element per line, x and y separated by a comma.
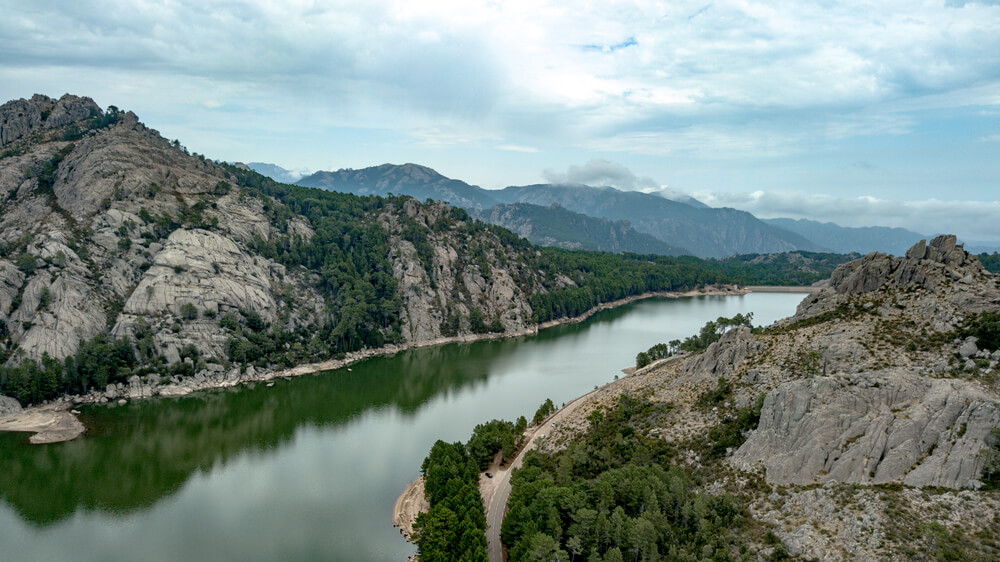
<point>724,357</point>
<point>450,286</point>
<point>20,118</point>
<point>859,388</point>
<point>120,232</point>
<point>874,428</point>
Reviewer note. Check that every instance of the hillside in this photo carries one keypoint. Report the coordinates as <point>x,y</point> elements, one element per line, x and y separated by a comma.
<point>419,182</point>
<point>845,240</point>
<point>556,226</point>
<point>704,231</point>
<point>864,427</point>
<point>273,171</point>
<point>128,265</point>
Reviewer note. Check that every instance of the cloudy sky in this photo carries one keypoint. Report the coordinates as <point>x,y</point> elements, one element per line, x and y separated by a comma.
<point>863,113</point>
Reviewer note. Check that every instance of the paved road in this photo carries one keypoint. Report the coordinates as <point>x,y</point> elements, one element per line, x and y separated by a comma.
<point>497,506</point>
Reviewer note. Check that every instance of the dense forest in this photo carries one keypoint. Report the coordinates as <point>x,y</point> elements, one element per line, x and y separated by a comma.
<point>990,261</point>
<point>454,527</point>
<point>616,495</point>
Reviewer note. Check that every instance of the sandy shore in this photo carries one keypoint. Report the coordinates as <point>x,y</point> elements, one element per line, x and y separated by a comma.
<point>54,422</point>
<point>408,505</point>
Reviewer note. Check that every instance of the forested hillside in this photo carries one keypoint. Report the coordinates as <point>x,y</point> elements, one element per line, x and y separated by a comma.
<point>125,260</point>
<point>562,228</point>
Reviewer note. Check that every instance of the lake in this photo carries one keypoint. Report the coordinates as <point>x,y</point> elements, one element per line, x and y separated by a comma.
<point>310,467</point>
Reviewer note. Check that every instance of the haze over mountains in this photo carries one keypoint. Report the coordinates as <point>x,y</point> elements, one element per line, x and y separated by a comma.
<point>683,223</point>
<point>843,239</point>
<point>704,232</point>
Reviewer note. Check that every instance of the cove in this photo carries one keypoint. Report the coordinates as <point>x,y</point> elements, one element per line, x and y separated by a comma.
<point>310,467</point>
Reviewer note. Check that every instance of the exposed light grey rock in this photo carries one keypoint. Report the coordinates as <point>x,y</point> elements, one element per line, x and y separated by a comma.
<point>724,357</point>
<point>872,429</point>
<point>19,118</point>
<point>427,292</point>
<point>9,406</point>
<point>968,347</point>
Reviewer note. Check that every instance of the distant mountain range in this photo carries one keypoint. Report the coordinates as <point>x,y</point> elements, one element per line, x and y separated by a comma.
<point>559,227</point>
<point>275,172</point>
<point>578,216</point>
<point>419,182</point>
<point>843,240</point>
<point>673,195</point>
<point>705,232</point>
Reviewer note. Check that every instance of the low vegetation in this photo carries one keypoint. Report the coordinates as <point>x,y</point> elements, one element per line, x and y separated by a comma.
<point>710,333</point>
<point>990,261</point>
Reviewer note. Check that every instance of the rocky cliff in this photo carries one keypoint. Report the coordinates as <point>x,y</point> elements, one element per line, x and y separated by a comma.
<point>877,404</point>
<point>108,230</point>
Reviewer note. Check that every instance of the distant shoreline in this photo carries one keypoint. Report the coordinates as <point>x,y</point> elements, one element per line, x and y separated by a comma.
<point>55,422</point>
<point>784,289</point>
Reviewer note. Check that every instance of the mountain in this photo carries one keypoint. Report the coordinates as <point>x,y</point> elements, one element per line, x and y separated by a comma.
<point>135,261</point>
<point>864,427</point>
<point>556,226</point>
<point>982,247</point>
<point>130,267</point>
<point>417,181</point>
<point>707,232</point>
<point>845,240</point>
<point>673,195</point>
<point>275,172</point>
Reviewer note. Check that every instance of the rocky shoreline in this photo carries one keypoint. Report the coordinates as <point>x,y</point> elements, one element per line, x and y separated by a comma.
<point>56,421</point>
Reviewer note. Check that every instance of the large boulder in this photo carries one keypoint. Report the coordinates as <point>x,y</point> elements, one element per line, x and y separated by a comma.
<point>9,406</point>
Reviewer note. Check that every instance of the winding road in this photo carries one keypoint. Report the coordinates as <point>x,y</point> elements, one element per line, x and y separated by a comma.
<point>495,497</point>
<point>496,492</point>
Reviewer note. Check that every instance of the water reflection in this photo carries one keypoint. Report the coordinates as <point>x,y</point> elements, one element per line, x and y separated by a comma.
<point>308,468</point>
<point>135,454</point>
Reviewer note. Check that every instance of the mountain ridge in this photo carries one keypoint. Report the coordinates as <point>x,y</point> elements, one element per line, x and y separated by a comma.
<point>707,232</point>
<point>844,240</point>
<point>562,228</point>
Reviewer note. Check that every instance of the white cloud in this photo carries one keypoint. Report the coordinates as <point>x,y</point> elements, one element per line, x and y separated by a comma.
<point>650,78</point>
<point>516,148</point>
<point>974,220</point>
<point>600,173</point>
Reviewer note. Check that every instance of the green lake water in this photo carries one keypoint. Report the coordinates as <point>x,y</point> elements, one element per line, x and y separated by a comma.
<point>308,469</point>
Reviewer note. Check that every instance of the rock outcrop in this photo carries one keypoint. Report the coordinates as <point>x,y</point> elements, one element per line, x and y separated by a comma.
<point>875,428</point>
<point>440,294</point>
<point>878,416</point>
<point>877,410</point>
<point>20,118</point>
<point>9,406</point>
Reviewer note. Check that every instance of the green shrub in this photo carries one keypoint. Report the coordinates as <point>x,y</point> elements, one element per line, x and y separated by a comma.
<point>27,263</point>
<point>189,311</point>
